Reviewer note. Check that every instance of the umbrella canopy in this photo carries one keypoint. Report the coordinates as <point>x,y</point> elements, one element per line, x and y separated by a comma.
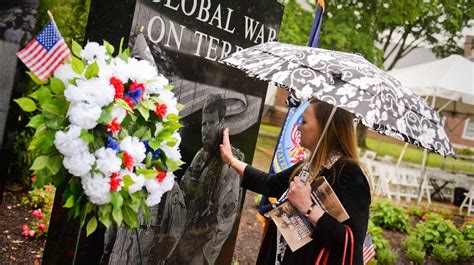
<point>448,79</point>
<point>350,82</point>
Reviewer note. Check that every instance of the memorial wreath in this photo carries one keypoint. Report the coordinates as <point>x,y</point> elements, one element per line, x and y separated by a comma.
<point>108,126</point>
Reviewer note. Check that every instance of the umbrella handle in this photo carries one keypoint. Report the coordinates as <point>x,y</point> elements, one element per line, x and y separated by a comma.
<point>333,111</point>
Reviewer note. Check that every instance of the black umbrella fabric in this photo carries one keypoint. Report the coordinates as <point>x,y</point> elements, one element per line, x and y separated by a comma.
<point>350,82</point>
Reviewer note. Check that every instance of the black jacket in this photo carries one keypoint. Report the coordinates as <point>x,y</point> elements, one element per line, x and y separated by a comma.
<point>351,187</point>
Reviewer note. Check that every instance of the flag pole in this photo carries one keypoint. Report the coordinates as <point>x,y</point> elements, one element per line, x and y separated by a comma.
<point>50,15</point>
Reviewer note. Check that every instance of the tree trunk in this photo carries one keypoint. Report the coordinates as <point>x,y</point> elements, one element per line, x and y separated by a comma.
<point>361,135</point>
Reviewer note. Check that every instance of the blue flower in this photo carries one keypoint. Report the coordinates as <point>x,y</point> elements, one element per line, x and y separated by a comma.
<point>112,144</point>
<point>155,154</point>
<point>134,95</point>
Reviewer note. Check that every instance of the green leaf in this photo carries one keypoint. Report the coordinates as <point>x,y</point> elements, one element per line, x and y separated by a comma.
<point>36,79</point>
<point>92,70</point>
<point>179,107</point>
<point>140,132</point>
<point>54,164</point>
<point>117,215</point>
<point>86,136</point>
<point>121,45</point>
<point>148,173</point>
<point>76,49</point>
<point>36,121</point>
<point>69,202</point>
<point>130,217</point>
<point>148,158</point>
<point>116,199</point>
<point>144,112</point>
<point>40,163</point>
<point>105,116</point>
<point>56,85</point>
<point>77,65</point>
<point>91,225</point>
<point>168,87</point>
<point>174,165</point>
<point>172,142</point>
<point>109,48</point>
<point>123,104</point>
<point>146,211</point>
<point>50,109</point>
<point>127,181</point>
<point>26,104</point>
<point>42,94</point>
<point>154,144</point>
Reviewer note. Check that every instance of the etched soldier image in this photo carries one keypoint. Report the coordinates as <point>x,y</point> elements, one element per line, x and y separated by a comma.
<point>211,191</point>
<point>157,239</point>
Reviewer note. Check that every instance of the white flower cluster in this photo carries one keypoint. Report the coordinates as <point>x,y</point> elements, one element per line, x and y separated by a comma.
<point>103,171</point>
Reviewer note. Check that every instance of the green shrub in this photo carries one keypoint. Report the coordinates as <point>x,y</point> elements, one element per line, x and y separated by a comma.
<point>389,216</point>
<point>414,249</point>
<point>467,230</point>
<point>444,253</point>
<point>439,237</point>
<point>257,199</point>
<point>40,198</point>
<point>383,249</point>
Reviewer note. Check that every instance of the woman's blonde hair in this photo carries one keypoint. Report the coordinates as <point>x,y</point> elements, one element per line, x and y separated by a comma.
<point>340,137</point>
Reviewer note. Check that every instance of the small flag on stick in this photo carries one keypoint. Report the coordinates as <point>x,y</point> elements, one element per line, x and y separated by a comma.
<point>45,53</point>
<point>368,249</point>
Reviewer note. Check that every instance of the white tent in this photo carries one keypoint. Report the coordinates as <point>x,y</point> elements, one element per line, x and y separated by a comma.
<point>448,82</point>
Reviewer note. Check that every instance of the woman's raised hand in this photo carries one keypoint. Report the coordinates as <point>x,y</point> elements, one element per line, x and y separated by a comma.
<point>225,147</point>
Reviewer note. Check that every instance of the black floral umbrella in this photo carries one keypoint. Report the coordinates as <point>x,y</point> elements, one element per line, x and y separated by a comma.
<point>350,82</point>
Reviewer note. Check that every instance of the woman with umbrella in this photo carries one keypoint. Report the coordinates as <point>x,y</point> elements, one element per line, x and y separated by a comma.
<point>336,159</point>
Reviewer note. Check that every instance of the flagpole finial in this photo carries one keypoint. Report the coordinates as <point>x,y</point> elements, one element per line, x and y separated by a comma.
<point>50,15</point>
<point>141,29</point>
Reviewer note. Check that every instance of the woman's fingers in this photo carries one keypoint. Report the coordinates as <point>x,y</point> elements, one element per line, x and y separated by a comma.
<point>225,138</point>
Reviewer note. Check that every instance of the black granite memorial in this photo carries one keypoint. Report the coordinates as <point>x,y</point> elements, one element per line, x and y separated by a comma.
<point>186,38</point>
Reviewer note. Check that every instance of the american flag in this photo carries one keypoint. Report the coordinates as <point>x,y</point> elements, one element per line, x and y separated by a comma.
<point>369,251</point>
<point>45,53</point>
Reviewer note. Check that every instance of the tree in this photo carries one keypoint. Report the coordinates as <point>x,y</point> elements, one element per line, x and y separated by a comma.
<point>384,31</point>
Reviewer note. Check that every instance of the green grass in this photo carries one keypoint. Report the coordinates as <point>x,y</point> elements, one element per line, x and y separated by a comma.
<point>415,155</point>
<point>412,154</point>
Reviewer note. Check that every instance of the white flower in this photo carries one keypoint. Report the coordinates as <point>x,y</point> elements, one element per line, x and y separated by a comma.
<point>93,51</point>
<point>84,115</point>
<point>65,73</point>
<point>177,136</point>
<point>139,183</point>
<point>119,113</point>
<point>141,70</point>
<point>96,91</point>
<point>79,164</point>
<point>167,183</point>
<point>154,198</point>
<point>107,161</point>
<point>152,185</point>
<point>167,97</point>
<point>121,69</point>
<point>97,188</point>
<point>134,148</point>
<point>171,152</point>
<point>106,70</point>
<point>70,143</point>
<point>156,85</point>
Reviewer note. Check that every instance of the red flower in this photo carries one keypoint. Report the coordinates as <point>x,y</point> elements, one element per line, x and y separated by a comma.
<point>128,160</point>
<point>24,233</point>
<point>161,176</point>
<point>33,179</point>
<point>31,233</point>
<point>115,182</point>
<point>160,110</point>
<point>24,227</point>
<point>135,86</point>
<point>114,126</point>
<point>423,218</point>
<point>118,85</point>
<point>38,214</point>
<point>129,102</point>
<point>42,227</point>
